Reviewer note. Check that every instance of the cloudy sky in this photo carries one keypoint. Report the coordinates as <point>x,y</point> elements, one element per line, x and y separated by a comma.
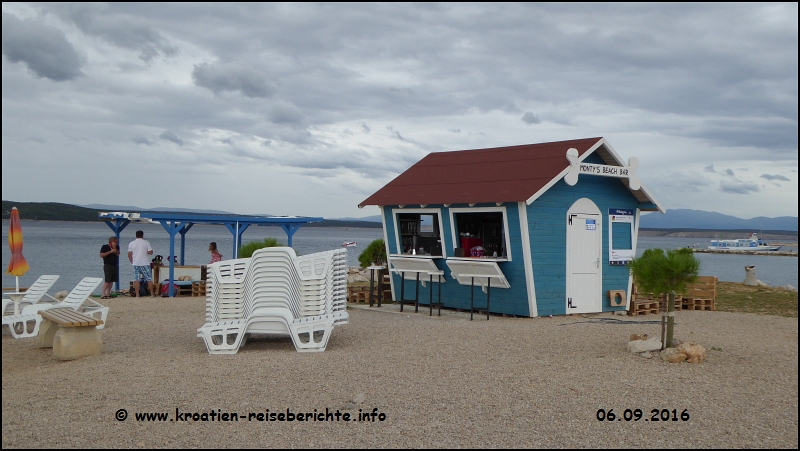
<point>301,109</point>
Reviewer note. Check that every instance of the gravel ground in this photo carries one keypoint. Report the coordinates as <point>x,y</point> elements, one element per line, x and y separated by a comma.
<point>441,382</point>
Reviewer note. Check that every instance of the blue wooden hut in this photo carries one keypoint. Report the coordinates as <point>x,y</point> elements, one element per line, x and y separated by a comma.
<point>543,229</point>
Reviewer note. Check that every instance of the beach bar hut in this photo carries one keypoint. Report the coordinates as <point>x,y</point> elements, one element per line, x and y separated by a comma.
<point>540,229</point>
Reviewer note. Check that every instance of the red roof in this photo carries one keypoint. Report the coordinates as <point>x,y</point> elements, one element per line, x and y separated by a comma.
<point>502,174</point>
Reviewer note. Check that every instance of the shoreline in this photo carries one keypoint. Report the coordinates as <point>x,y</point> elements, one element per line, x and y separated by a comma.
<point>789,235</point>
<point>735,252</point>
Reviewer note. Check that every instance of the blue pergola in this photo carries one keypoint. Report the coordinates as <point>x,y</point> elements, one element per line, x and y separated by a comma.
<point>180,223</point>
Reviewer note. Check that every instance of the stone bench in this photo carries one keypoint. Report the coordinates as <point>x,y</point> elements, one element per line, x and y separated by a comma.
<point>72,335</point>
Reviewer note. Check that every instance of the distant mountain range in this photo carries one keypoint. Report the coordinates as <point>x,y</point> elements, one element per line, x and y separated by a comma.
<point>692,219</point>
<point>376,218</point>
<point>698,219</point>
<point>55,211</point>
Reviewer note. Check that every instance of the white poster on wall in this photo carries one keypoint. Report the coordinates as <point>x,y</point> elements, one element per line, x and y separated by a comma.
<point>619,256</point>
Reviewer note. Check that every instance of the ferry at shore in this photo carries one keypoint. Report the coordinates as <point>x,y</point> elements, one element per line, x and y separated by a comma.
<point>751,244</point>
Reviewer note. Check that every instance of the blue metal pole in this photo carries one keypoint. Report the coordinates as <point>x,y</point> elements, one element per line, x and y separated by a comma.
<point>172,228</point>
<point>186,227</point>
<point>290,230</point>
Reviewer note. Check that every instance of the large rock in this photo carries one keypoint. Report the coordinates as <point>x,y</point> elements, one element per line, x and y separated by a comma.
<point>637,346</point>
<point>672,355</point>
<point>694,352</point>
<point>355,275</point>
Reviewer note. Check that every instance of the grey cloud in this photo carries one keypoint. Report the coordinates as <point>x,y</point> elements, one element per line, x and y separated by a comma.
<point>775,177</point>
<point>44,49</point>
<point>552,54</point>
<point>729,172</point>
<point>124,30</point>
<point>739,187</point>
<point>679,181</point>
<point>171,136</point>
<point>285,113</point>
<point>530,118</point>
<point>726,71</point>
<point>227,141</point>
<point>454,130</point>
<point>333,160</point>
<point>709,168</point>
<point>226,77</point>
<point>139,139</point>
<point>776,135</point>
<point>247,153</point>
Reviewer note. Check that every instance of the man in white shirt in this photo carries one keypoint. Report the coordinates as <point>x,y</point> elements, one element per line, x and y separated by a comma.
<point>139,252</point>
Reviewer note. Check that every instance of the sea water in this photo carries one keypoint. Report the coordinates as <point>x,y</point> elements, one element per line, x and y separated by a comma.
<point>72,250</point>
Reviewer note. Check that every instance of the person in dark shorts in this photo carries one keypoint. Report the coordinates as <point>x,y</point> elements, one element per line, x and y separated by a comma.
<point>110,255</point>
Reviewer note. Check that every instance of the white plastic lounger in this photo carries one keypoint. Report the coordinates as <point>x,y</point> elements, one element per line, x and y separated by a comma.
<point>77,299</point>
<point>33,295</point>
<point>309,334</point>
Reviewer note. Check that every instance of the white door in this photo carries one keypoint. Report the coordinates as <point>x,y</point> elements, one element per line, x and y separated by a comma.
<point>584,252</point>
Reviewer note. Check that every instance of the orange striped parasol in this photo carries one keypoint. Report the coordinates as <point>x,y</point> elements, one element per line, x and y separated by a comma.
<point>17,266</point>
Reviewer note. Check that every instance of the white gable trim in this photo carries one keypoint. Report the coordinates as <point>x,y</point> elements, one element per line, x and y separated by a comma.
<point>617,160</point>
<point>527,257</point>
<point>564,172</point>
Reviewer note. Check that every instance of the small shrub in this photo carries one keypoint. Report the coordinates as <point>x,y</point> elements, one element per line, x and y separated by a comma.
<point>375,252</point>
<point>247,249</point>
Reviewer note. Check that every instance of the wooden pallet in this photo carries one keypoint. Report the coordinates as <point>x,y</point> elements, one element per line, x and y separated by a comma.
<point>357,294</point>
<point>199,288</point>
<point>700,295</point>
<point>703,304</point>
<point>644,308</point>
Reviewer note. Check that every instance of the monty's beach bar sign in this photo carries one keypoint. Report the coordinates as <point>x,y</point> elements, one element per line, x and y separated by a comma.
<point>577,168</point>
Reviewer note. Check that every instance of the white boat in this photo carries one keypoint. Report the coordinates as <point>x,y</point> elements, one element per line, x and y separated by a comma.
<point>751,244</point>
<point>349,244</point>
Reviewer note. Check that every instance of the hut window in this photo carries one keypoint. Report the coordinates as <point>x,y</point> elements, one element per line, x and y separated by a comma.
<point>420,234</point>
<point>484,230</point>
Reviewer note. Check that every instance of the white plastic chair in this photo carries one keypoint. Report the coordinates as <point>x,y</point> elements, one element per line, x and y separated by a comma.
<point>77,299</point>
<point>33,295</point>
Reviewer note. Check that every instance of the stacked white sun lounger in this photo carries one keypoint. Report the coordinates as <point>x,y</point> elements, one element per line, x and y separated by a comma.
<point>275,292</point>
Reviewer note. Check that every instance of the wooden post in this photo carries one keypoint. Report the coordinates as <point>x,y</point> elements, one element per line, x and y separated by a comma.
<point>670,319</point>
